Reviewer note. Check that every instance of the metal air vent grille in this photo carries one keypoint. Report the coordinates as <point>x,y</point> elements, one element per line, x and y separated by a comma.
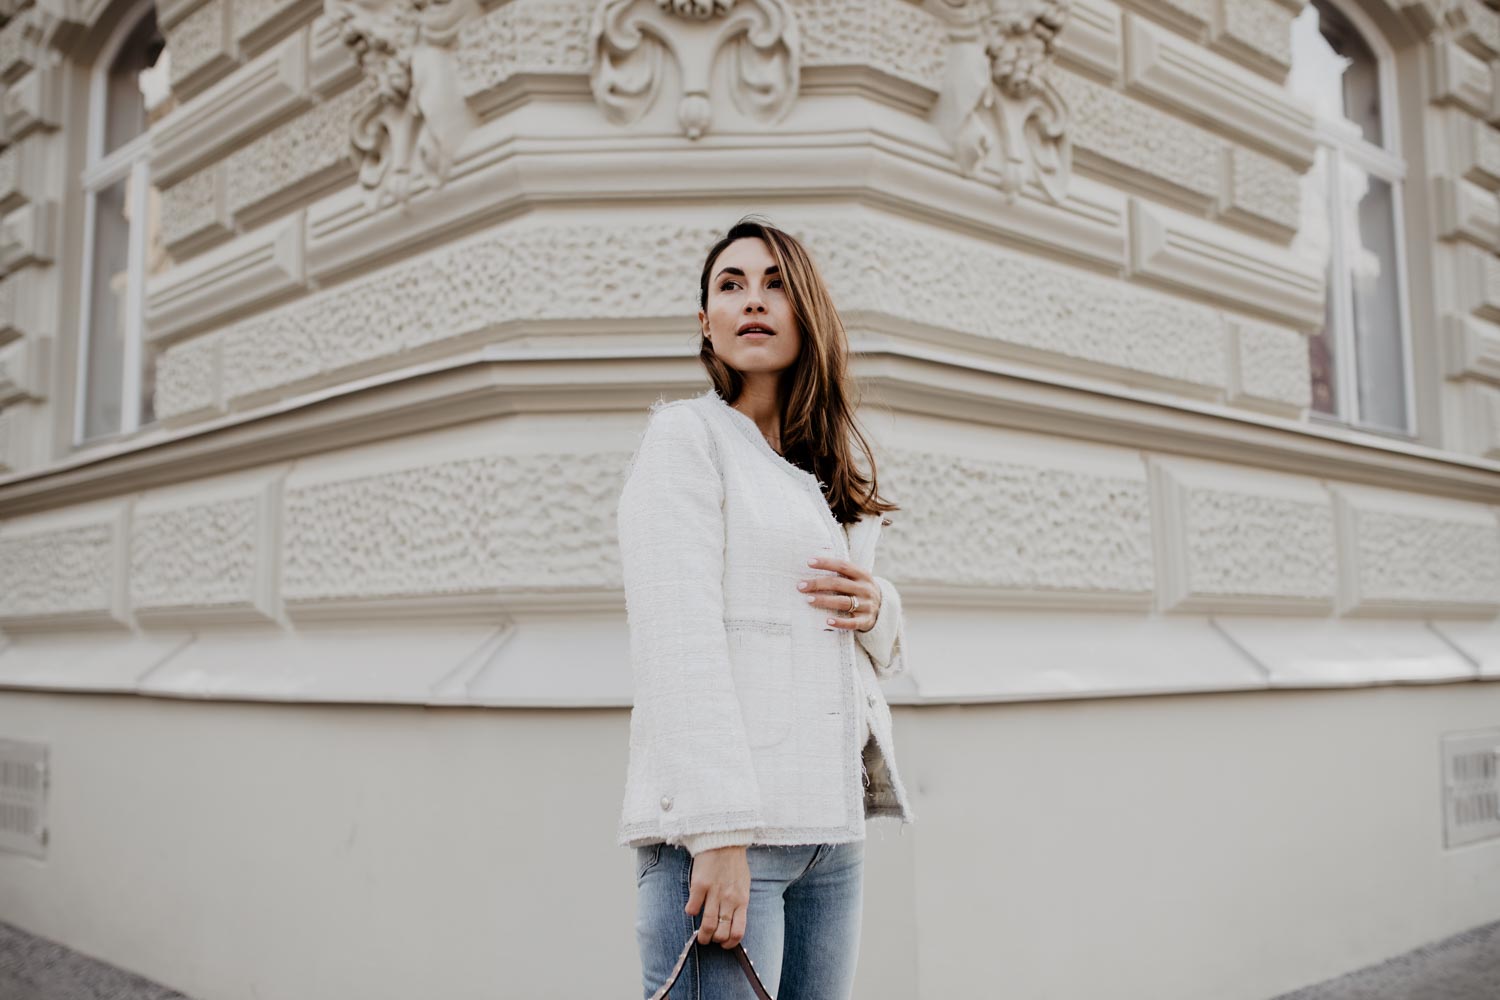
<point>23,797</point>
<point>1471,787</point>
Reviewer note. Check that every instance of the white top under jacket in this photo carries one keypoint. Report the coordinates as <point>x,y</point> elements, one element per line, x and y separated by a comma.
<point>751,723</point>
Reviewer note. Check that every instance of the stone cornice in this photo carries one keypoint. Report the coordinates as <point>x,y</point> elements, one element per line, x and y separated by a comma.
<point>917,378</point>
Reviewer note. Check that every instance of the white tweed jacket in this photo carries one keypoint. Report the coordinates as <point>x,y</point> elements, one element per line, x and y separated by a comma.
<point>752,723</point>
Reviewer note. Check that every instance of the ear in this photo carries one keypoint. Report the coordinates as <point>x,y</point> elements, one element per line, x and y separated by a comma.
<point>703,322</point>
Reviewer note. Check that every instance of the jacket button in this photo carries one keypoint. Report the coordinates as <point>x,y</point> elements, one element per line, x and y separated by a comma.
<point>871,699</point>
<point>666,803</point>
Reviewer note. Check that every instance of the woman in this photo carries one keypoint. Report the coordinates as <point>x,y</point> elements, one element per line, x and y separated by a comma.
<point>760,740</point>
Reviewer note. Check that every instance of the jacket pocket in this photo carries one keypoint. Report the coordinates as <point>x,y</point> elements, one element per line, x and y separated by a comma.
<point>760,658</point>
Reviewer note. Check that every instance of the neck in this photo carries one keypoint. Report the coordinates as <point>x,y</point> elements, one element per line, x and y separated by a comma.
<point>758,401</point>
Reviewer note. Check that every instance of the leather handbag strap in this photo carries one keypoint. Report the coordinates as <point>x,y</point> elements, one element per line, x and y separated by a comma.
<point>739,953</point>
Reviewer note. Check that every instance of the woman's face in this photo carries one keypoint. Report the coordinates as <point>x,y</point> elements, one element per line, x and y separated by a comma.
<point>745,290</point>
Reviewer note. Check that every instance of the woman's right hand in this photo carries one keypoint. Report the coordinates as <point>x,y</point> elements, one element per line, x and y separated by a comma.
<point>721,889</point>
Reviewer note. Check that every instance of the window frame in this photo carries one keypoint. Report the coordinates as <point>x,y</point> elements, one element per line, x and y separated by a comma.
<point>131,161</point>
<point>1343,141</point>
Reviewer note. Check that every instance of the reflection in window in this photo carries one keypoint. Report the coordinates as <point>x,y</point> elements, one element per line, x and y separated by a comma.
<point>1350,225</point>
<point>132,89</point>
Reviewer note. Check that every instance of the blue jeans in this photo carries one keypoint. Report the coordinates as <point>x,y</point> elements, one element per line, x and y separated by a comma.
<point>801,931</point>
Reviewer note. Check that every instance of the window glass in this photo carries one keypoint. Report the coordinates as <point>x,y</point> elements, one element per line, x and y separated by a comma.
<point>1335,70</point>
<point>106,330</point>
<point>1314,240</point>
<point>137,91</point>
<point>1371,248</point>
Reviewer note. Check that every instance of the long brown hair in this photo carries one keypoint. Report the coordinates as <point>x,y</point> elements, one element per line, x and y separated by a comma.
<point>818,430</point>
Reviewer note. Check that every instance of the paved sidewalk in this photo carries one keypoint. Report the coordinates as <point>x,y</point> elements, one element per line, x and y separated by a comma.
<point>1463,967</point>
<point>33,968</point>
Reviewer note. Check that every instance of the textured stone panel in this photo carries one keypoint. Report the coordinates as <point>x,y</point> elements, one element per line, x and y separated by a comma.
<point>892,35</point>
<point>1262,27</point>
<point>1448,556</point>
<point>562,272</point>
<point>1188,15</point>
<point>251,15</point>
<point>189,207</point>
<point>1242,544</point>
<point>1270,365</point>
<point>187,377</point>
<point>1264,188</point>
<point>975,522</point>
<point>552,273</point>
<point>1483,24</point>
<point>58,571</point>
<point>524,36</point>
<point>198,556</point>
<point>315,141</point>
<point>1020,301</point>
<point>198,39</point>
<point>1124,131</point>
<point>473,525</point>
<point>551,36</point>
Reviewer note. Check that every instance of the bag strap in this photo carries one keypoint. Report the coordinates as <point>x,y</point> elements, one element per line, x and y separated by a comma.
<point>739,953</point>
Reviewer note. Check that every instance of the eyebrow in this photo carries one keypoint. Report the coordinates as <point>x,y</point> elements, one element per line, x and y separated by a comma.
<point>773,269</point>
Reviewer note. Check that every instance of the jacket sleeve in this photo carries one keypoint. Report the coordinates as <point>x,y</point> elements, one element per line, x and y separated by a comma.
<point>671,529</point>
<point>884,640</point>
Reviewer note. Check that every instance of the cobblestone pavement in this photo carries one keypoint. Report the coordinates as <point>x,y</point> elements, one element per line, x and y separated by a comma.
<point>1463,967</point>
<point>33,968</point>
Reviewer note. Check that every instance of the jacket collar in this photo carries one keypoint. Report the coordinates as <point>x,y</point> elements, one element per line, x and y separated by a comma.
<point>862,534</point>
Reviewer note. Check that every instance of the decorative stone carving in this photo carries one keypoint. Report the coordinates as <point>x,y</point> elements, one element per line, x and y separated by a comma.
<point>997,106</point>
<point>758,40</point>
<point>417,117</point>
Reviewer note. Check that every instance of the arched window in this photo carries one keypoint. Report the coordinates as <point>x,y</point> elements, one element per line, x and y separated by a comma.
<point>129,90</point>
<point>1351,219</point>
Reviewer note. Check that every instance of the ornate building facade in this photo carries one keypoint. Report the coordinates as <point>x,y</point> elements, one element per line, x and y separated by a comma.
<point>327,329</point>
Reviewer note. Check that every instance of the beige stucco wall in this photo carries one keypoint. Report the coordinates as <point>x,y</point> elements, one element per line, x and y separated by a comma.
<point>1233,846</point>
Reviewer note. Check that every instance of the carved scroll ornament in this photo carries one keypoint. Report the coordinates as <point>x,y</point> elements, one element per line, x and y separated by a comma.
<point>997,106</point>
<point>414,122</point>
<point>632,41</point>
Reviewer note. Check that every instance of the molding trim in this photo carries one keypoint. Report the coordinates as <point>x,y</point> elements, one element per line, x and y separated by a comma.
<point>1466,211</point>
<point>1232,540</point>
<point>207,289</point>
<point>28,235</point>
<point>1211,261</point>
<point>236,108</point>
<point>24,370</point>
<point>1459,77</point>
<point>1219,93</point>
<point>918,378</point>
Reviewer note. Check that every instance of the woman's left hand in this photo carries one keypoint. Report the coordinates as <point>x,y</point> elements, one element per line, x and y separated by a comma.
<point>833,593</point>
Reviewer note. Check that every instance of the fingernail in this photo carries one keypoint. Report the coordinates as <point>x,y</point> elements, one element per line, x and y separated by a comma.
<point>812,562</point>
<point>802,585</point>
<point>830,621</point>
<point>811,598</point>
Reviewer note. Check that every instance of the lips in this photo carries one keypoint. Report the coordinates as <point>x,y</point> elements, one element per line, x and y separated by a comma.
<point>756,328</point>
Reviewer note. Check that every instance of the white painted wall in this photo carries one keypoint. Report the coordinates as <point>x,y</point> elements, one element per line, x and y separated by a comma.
<point>1160,848</point>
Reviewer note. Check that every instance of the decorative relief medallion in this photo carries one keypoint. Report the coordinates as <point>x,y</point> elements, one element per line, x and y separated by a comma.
<point>414,122</point>
<point>997,106</point>
<point>756,40</point>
